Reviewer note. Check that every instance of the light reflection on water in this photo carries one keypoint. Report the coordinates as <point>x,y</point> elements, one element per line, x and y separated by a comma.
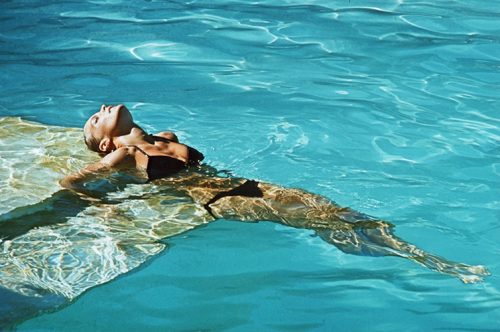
<point>385,107</point>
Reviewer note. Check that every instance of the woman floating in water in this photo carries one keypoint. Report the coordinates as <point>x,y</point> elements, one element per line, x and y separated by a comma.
<point>124,145</point>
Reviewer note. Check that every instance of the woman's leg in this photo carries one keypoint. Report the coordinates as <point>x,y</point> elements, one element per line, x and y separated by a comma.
<point>375,238</point>
<point>350,231</point>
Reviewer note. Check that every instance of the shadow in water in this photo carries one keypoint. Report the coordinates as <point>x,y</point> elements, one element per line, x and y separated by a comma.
<point>53,210</point>
<point>15,308</point>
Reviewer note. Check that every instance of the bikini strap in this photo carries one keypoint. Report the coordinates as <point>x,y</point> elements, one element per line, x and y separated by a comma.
<point>138,148</point>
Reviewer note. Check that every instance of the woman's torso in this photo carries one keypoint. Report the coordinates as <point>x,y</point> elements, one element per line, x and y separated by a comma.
<point>163,157</point>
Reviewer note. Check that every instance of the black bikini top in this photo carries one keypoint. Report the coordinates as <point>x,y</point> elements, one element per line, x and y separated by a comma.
<point>162,166</point>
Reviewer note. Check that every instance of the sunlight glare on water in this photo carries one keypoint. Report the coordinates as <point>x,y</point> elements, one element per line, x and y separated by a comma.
<point>389,107</point>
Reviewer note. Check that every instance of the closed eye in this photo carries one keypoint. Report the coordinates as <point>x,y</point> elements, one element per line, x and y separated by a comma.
<point>95,119</point>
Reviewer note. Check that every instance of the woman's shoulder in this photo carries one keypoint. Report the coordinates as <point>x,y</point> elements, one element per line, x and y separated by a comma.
<point>169,136</point>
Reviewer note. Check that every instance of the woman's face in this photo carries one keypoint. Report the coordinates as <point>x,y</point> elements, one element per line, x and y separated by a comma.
<point>110,121</point>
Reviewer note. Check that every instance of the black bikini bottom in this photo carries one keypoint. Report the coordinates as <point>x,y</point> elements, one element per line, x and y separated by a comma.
<point>248,189</point>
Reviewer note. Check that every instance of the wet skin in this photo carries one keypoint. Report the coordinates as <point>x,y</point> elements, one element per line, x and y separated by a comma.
<point>240,199</point>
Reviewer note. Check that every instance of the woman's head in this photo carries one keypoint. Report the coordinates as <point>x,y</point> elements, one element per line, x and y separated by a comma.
<point>103,126</point>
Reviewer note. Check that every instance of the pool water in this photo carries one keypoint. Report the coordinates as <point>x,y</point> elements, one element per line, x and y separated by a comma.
<point>389,107</point>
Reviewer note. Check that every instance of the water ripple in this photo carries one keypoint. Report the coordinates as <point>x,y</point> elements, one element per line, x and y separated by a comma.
<point>389,107</point>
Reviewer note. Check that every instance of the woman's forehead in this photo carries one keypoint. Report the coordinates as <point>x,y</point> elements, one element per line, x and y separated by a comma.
<point>87,123</point>
<point>86,126</point>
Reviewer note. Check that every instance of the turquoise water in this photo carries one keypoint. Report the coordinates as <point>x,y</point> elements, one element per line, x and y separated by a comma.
<point>389,107</point>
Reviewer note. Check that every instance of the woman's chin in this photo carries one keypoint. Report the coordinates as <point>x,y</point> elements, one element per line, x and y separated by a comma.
<point>124,121</point>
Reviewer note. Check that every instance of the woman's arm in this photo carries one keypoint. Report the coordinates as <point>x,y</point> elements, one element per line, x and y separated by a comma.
<point>75,181</point>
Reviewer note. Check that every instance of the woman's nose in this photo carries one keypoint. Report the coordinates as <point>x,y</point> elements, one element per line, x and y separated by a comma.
<point>102,107</point>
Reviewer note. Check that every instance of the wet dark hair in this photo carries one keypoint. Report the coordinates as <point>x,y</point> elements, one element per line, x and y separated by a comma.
<point>92,143</point>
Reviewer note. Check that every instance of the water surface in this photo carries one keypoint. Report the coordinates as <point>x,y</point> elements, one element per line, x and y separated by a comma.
<point>390,108</point>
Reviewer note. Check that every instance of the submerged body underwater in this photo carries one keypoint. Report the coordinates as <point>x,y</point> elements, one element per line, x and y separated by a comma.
<point>85,241</point>
<point>386,108</point>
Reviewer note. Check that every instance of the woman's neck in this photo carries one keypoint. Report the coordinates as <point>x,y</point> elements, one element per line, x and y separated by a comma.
<point>136,136</point>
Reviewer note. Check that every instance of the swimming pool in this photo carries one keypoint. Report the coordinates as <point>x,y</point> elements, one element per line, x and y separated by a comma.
<point>389,108</point>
